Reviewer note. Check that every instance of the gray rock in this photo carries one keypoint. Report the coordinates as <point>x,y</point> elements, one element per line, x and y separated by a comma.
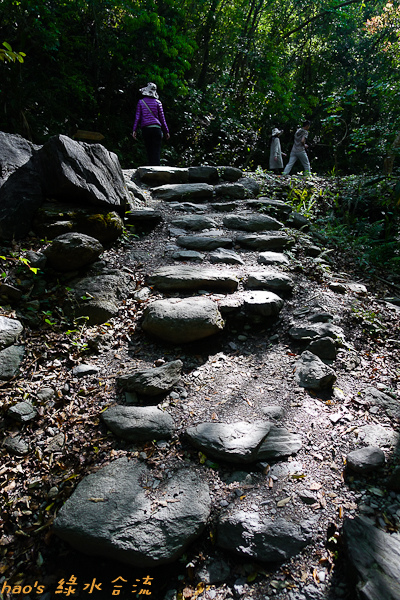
<point>85,369</point>
<point>252,222</point>
<point>173,278</point>
<point>325,348</point>
<point>365,459</point>
<point>20,186</point>
<point>321,317</point>
<point>110,514</point>
<point>23,412</point>
<point>264,241</point>
<point>188,255</point>
<point>233,442</point>
<point>46,394</point>
<point>272,258</point>
<point>72,251</point>
<point>194,222</point>
<point>56,444</point>
<point>284,470</point>
<point>276,208</point>
<point>204,242</point>
<point>375,397</point>
<point>98,296</point>
<point>182,320</point>
<point>184,191</point>
<point>255,536</point>
<point>373,554</point>
<point>270,280</point>
<point>310,331</point>
<point>86,173</point>
<point>232,190</point>
<point>307,497</point>
<point>154,381</point>
<point>214,572</point>
<point>10,361</point>
<point>15,151</point>
<point>227,206</point>
<point>279,443</point>
<point>16,445</point>
<point>203,174</point>
<point>273,411</point>
<point>229,173</point>
<point>298,221</point>
<point>10,330</point>
<point>138,424</point>
<point>229,257</point>
<point>377,435</point>
<point>162,175</point>
<point>251,185</point>
<point>312,373</point>
<point>266,304</point>
<point>189,207</point>
<point>105,227</point>
<point>143,216</point>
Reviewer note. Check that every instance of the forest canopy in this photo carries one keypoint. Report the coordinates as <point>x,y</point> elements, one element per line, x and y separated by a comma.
<point>227,71</point>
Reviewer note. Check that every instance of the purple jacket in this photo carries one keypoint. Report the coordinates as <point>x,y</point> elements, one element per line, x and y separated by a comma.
<point>144,117</point>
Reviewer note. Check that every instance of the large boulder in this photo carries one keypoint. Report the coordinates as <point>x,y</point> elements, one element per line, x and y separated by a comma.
<point>15,151</point>
<point>182,320</point>
<point>80,172</point>
<point>111,514</point>
<point>252,222</point>
<point>10,330</point>
<point>374,557</point>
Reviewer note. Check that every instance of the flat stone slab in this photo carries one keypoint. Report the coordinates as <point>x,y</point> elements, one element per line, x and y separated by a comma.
<point>203,174</point>
<point>253,222</point>
<point>280,442</point>
<point>194,222</point>
<point>190,255</point>
<point>227,206</point>
<point>264,241</point>
<point>163,175</point>
<point>112,515</point>
<point>272,258</point>
<point>143,216</point>
<point>10,330</point>
<point>269,280</point>
<point>184,191</point>
<point>154,381</point>
<point>188,207</point>
<point>311,373</point>
<point>225,256</point>
<point>305,332</point>
<point>374,555</point>
<point>365,459</point>
<point>255,535</point>
<point>182,320</point>
<point>266,304</point>
<point>233,442</point>
<point>138,424</point>
<point>204,242</point>
<point>173,278</point>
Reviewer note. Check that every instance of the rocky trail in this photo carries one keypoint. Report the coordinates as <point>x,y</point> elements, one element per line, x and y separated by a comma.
<point>224,425</point>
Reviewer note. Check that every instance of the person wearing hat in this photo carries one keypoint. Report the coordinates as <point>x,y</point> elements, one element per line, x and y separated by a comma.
<point>150,117</point>
<point>275,153</point>
<point>298,151</point>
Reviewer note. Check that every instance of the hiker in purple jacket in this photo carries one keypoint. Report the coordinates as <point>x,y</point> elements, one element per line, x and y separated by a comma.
<point>150,117</point>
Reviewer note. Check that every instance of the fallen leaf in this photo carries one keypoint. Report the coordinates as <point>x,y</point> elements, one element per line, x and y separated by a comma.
<point>283,502</point>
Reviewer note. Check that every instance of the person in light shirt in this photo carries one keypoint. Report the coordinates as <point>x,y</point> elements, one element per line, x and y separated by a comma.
<point>298,151</point>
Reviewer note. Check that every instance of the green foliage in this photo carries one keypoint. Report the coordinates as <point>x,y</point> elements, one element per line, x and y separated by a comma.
<point>8,55</point>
